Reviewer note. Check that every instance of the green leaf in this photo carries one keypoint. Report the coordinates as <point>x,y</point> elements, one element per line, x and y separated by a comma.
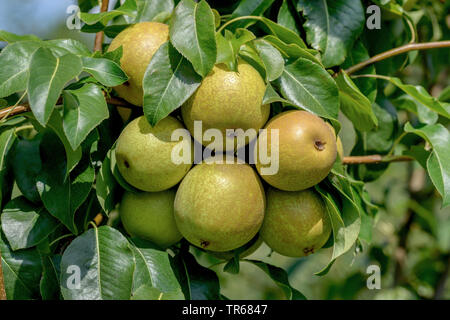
<point>287,17</point>
<point>280,277</point>
<point>192,33</point>
<point>103,259</point>
<point>107,72</point>
<point>106,186</point>
<point>197,282</point>
<point>424,114</point>
<point>21,271</point>
<point>69,46</point>
<point>49,285</point>
<point>26,164</point>
<point>84,109</point>
<point>56,125</point>
<point>422,96</point>
<point>271,96</point>
<point>146,292</point>
<point>438,162</point>
<point>308,86</point>
<point>284,34</point>
<point>271,57</point>
<point>7,138</point>
<point>48,75</point>
<point>332,26</point>
<point>292,51</point>
<point>62,194</point>
<point>168,82</point>
<point>368,86</point>
<point>114,55</point>
<point>25,224</point>
<point>354,104</point>
<point>15,60</point>
<point>251,56</point>
<point>129,8</point>
<point>249,8</point>
<point>228,47</point>
<point>149,10</point>
<point>153,269</point>
<point>345,223</point>
<point>11,37</point>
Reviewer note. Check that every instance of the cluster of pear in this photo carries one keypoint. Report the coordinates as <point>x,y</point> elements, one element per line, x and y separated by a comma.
<point>221,207</point>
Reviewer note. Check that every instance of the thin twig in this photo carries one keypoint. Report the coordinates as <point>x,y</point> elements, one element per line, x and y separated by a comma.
<point>374,158</point>
<point>397,51</point>
<point>2,283</point>
<point>99,36</point>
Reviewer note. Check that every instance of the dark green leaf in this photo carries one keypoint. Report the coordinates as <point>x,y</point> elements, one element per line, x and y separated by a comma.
<point>49,285</point>
<point>103,260</point>
<point>192,33</point>
<point>249,8</point>
<point>168,82</point>
<point>424,114</point>
<point>292,51</point>
<point>48,75</point>
<point>84,109</point>
<point>26,163</point>
<point>107,72</point>
<point>106,186</point>
<point>70,46</point>
<point>287,17</point>
<point>153,269</point>
<point>146,292</point>
<point>15,60</point>
<point>308,86</point>
<point>280,277</point>
<point>332,26</point>
<point>129,8</point>
<point>11,37</point>
<point>197,282</point>
<point>354,104</point>
<point>21,271</point>
<point>25,224</point>
<point>149,10</point>
<point>284,34</point>
<point>271,57</point>
<point>438,162</point>
<point>7,138</point>
<point>271,95</point>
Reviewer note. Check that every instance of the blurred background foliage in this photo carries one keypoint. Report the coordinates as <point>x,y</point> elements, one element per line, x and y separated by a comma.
<point>411,236</point>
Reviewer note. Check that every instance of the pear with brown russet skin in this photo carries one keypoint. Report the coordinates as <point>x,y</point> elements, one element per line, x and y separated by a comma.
<point>228,100</point>
<point>296,224</point>
<point>149,215</point>
<point>306,149</point>
<point>139,43</point>
<point>220,207</point>
<point>144,154</point>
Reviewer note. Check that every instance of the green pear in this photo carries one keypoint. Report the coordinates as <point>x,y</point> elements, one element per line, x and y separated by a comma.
<point>296,223</point>
<point>220,207</point>
<point>228,100</point>
<point>139,42</point>
<point>149,215</point>
<point>144,154</point>
<point>306,150</point>
<point>228,255</point>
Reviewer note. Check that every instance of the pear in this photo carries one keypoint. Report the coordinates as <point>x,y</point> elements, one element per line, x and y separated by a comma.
<point>149,215</point>
<point>306,150</point>
<point>220,207</point>
<point>228,100</point>
<point>339,146</point>
<point>144,154</point>
<point>228,255</point>
<point>296,224</point>
<point>139,43</point>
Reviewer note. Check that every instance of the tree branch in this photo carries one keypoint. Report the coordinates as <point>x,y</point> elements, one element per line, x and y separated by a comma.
<point>99,36</point>
<point>2,283</point>
<point>15,110</point>
<point>397,51</point>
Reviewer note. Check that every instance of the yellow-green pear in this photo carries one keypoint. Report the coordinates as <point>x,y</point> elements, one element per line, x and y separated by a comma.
<point>228,100</point>
<point>228,255</point>
<point>144,154</point>
<point>149,215</point>
<point>306,149</point>
<point>220,207</point>
<point>139,42</point>
<point>296,223</point>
